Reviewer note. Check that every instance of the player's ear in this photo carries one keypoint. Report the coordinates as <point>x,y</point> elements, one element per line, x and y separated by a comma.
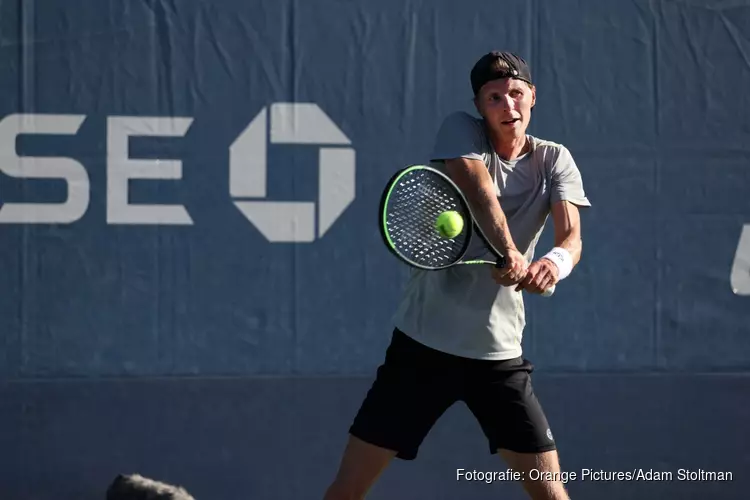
<point>533,96</point>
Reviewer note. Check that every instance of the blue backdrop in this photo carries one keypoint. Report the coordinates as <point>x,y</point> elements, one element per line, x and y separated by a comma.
<point>195,288</point>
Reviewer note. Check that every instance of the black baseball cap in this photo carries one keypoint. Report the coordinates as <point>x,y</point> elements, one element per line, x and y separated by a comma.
<point>487,68</point>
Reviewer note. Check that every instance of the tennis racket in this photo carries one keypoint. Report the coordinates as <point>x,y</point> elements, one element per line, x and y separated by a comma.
<point>410,205</point>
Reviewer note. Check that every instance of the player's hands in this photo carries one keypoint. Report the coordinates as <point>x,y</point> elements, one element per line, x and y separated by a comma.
<point>514,270</point>
<point>540,276</point>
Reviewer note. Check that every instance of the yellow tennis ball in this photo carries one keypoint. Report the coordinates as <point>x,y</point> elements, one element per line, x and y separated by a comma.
<point>449,224</point>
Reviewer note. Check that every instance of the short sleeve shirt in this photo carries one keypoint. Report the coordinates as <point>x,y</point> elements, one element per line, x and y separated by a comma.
<point>461,310</point>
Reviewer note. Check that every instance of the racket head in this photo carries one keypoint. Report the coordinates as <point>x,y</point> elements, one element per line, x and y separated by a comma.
<point>411,202</point>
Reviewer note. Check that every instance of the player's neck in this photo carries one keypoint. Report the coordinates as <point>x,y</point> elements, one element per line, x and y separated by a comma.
<point>511,149</point>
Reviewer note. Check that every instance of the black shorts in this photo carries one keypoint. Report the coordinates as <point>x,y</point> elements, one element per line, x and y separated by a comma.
<point>416,384</point>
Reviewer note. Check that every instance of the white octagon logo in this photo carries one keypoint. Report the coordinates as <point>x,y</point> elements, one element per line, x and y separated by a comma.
<point>292,221</point>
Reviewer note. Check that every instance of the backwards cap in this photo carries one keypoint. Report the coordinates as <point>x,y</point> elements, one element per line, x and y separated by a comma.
<point>487,68</point>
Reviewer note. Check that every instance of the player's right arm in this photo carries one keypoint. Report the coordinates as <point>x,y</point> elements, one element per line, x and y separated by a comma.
<point>473,179</point>
<point>459,144</point>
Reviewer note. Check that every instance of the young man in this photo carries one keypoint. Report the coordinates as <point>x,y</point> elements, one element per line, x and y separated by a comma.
<point>458,331</point>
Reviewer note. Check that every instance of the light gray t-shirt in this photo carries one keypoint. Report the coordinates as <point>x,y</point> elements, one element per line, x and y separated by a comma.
<point>461,310</point>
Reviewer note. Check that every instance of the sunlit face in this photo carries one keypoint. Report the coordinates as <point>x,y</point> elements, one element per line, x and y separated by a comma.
<point>506,104</point>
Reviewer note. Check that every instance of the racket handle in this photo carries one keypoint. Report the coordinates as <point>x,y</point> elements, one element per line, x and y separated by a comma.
<point>547,293</point>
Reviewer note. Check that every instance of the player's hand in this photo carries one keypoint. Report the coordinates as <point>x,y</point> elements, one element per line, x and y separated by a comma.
<point>514,270</point>
<point>540,276</point>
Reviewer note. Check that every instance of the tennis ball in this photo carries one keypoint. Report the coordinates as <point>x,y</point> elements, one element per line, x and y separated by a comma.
<point>449,224</point>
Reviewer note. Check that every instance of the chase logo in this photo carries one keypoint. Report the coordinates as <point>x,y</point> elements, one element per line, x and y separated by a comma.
<point>287,221</point>
<point>292,221</point>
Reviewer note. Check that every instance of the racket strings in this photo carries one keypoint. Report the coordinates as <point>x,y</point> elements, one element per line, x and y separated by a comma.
<point>414,204</point>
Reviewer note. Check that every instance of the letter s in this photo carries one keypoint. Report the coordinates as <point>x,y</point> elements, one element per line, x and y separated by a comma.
<point>29,167</point>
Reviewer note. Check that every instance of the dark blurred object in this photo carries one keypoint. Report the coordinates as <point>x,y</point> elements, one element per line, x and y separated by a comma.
<point>137,487</point>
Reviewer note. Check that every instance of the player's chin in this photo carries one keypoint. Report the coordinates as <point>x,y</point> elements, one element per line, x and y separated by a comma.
<point>512,129</point>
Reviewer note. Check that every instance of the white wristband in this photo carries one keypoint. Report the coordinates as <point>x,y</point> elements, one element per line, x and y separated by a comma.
<point>562,260</point>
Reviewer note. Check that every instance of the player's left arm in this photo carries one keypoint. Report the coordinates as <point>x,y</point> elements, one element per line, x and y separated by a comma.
<point>567,224</point>
<point>567,197</point>
<point>559,262</point>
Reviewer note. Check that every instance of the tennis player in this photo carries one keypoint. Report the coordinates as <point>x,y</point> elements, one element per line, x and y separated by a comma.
<point>458,331</point>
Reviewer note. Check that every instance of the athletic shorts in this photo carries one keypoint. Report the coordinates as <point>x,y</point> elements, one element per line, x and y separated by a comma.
<point>416,384</point>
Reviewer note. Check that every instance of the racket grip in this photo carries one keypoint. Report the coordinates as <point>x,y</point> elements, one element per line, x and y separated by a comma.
<point>547,293</point>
